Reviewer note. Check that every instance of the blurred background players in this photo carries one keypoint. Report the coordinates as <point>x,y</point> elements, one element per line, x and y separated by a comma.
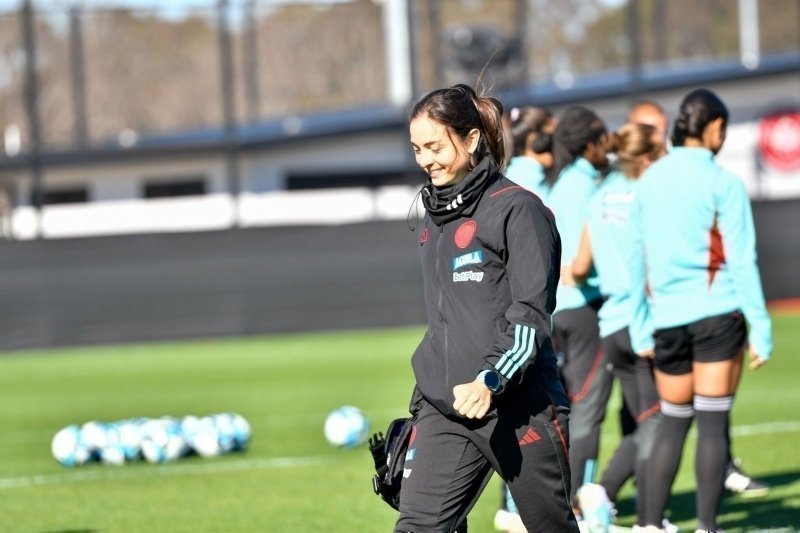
<point>578,156</point>
<point>605,244</point>
<point>697,247</point>
<point>529,135</point>
<point>530,132</point>
<point>736,479</point>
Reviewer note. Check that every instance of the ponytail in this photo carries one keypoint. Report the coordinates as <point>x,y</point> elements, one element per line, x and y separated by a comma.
<point>699,108</point>
<point>635,145</point>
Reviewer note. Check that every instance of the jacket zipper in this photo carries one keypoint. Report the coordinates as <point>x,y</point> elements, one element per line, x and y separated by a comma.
<point>440,299</point>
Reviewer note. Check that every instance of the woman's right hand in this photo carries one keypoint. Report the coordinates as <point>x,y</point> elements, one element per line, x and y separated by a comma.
<point>647,353</point>
<point>756,362</point>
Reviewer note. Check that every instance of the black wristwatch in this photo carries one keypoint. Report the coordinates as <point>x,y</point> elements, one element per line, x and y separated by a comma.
<point>492,381</point>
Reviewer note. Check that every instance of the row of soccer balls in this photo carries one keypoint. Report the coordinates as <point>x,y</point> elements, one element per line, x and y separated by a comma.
<point>156,440</point>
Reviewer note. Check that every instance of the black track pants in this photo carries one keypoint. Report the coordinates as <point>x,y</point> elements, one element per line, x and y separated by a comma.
<point>450,462</point>
<point>588,383</point>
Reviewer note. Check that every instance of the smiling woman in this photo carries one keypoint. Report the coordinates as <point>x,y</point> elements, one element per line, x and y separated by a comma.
<point>486,379</point>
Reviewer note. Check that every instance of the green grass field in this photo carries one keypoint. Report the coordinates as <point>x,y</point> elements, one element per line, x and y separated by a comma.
<point>290,479</point>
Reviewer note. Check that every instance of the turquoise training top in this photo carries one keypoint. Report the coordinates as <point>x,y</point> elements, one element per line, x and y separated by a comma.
<point>569,200</point>
<point>610,235</point>
<point>527,173</point>
<point>695,226</point>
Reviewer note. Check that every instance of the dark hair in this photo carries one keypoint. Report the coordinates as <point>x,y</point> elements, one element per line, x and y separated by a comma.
<point>699,108</point>
<point>577,127</point>
<point>525,122</point>
<point>460,110</point>
<point>634,146</point>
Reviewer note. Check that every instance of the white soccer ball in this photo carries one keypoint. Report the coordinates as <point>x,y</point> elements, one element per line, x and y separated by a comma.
<point>241,431</point>
<point>130,438</point>
<point>205,438</point>
<point>93,435</point>
<point>225,431</point>
<point>68,448</point>
<point>163,440</point>
<point>154,441</point>
<point>112,452</point>
<point>346,427</point>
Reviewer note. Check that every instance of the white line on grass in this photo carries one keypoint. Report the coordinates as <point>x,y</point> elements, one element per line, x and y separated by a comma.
<point>766,427</point>
<point>173,469</point>
<point>167,469</point>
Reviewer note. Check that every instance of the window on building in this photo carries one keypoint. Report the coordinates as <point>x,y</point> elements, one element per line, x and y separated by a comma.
<point>71,195</point>
<point>175,187</point>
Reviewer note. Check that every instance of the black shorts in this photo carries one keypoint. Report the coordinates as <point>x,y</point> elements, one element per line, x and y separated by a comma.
<point>716,338</point>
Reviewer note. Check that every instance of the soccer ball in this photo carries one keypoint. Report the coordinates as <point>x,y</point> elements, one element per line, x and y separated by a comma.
<point>68,448</point>
<point>163,440</point>
<point>346,427</point>
<point>130,438</point>
<point>224,424</point>
<point>112,452</point>
<point>205,439</point>
<point>241,431</point>
<point>93,436</point>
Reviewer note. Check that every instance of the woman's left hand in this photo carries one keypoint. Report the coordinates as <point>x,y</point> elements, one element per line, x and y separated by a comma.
<point>472,399</point>
<point>566,276</point>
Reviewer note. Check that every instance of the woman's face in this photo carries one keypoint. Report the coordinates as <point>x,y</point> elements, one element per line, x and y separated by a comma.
<point>714,135</point>
<point>445,157</point>
<point>596,152</point>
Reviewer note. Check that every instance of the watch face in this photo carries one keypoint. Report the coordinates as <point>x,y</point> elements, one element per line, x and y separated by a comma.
<point>492,381</point>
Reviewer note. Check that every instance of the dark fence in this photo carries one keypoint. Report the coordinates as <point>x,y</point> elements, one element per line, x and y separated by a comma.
<point>252,281</point>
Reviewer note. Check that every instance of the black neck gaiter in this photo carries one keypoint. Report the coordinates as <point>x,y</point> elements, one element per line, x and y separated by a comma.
<point>448,203</point>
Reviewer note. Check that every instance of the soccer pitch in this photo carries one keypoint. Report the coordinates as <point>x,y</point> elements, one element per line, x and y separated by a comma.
<point>290,479</point>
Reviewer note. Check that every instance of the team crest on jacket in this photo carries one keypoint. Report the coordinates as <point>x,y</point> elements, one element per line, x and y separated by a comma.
<point>465,233</point>
<point>423,237</point>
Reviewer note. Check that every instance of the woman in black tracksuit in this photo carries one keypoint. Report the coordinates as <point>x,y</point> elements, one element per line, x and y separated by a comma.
<point>487,395</point>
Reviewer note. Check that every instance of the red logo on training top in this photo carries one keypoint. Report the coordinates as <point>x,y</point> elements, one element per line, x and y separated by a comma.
<point>465,233</point>
<point>529,437</point>
<point>413,436</point>
<point>423,236</point>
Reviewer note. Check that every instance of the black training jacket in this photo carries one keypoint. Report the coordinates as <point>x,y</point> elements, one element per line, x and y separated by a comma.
<point>491,257</point>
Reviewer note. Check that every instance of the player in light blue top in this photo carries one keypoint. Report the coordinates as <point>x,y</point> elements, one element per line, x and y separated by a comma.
<point>697,246</point>
<point>579,152</point>
<point>530,131</point>
<point>606,245</point>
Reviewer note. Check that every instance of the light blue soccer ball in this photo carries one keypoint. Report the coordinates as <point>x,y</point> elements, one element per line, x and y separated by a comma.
<point>112,452</point>
<point>68,448</point>
<point>346,427</point>
<point>163,440</point>
<point>225,431</point>
<point>93,435</point>
<point>130,438</point>
<point>205,440</point>
<point>241,432</point>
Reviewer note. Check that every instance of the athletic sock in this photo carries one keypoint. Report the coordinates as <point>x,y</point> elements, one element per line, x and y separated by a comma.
<point>711,457</point>
<point>645,439</point>
<point>620,467</point>
<point>665,458</point>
